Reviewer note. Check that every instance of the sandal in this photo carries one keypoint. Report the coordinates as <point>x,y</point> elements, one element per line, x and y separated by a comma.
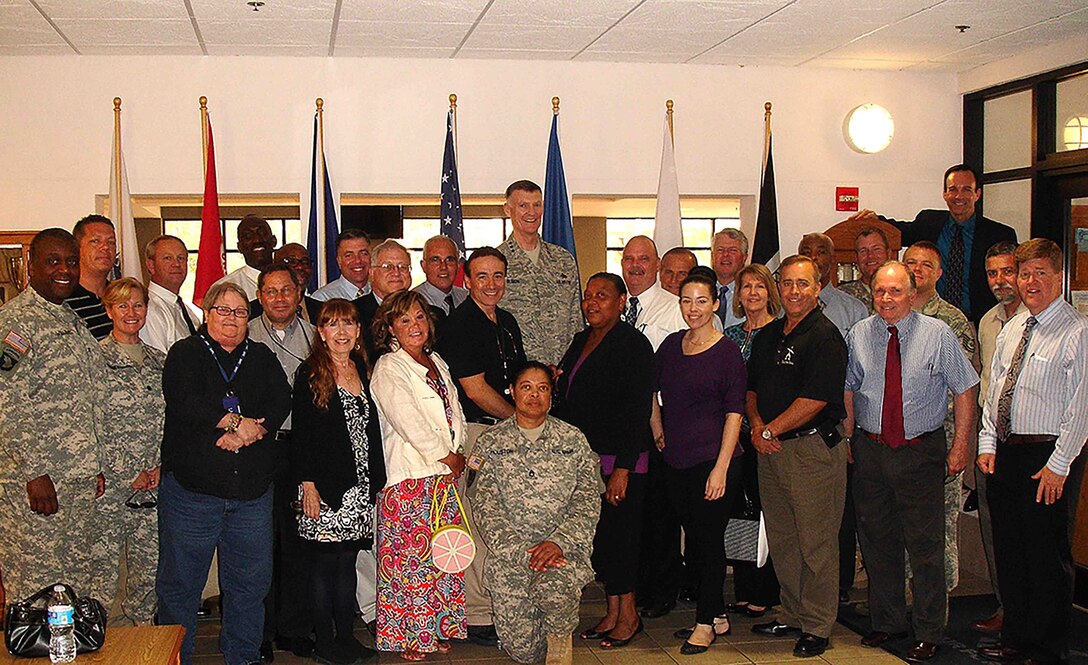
<point>413,655</point>
<point>610,642</point>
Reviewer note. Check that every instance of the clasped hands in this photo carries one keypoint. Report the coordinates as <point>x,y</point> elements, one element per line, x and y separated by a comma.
<point>249,430</point>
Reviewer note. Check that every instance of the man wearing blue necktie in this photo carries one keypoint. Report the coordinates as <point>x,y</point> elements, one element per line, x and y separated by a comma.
<point>729,254</point>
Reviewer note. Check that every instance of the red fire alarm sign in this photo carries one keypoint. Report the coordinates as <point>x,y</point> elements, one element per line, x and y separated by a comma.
<point>846,199</point>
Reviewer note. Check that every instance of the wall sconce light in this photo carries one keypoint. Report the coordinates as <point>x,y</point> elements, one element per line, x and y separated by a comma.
<point>868,128</point>
<point>1075,133</point>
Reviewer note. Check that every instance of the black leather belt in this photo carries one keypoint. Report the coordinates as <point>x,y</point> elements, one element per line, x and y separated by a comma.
<point>1025,439</point>
<point>797,433</point>
<point>485,420</point>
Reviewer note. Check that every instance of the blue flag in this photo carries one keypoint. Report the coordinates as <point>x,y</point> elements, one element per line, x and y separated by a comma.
<point>452,223</point>
<point>322,232</point>
<point>557,228</point>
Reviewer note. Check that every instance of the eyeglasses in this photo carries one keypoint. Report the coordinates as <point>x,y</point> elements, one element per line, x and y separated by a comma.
<point>292,261</point>
<point>141,500</point>
<point>438,260</point>
<point>239,312</point>
<point>395,267</point>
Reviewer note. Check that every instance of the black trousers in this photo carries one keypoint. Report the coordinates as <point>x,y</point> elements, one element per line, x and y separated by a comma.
<point>1034,563</point>
<point>287,605</point>
<point>661,565</point>
<point>751,584</point>
<point>848,537</point>
<point>618,539</point>
<point>899,499</point>
<point>704,524</point>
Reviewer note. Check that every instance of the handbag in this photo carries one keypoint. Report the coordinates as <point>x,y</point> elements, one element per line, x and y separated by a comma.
<point>452,547</point>
<point>26,629</point>
<point>746,533</point>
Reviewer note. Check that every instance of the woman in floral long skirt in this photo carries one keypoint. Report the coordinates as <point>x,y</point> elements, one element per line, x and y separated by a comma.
<point>419,607</point>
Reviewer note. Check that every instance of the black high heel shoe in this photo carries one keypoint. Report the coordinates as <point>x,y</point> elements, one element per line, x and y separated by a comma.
<point>689,649</point>
<point>611,643</point>
<point>591,634</point>
<point>685,633</point>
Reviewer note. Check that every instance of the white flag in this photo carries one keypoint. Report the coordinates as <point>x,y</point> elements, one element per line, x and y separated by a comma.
<point>667,230</point>
<point>121,212</point>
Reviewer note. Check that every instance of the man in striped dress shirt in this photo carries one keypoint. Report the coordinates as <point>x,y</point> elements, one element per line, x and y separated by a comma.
<point>1034,424</point>
<point>903,366</point>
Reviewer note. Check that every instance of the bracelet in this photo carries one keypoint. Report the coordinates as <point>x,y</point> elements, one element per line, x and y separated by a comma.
<point>234,422</point>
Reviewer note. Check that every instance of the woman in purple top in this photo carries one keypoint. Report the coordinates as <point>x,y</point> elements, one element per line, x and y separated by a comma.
<point>701,379</point>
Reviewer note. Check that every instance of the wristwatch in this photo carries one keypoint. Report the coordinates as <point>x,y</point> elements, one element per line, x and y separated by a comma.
<point>766,434</point>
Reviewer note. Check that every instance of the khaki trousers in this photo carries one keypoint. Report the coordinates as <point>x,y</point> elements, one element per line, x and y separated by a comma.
<point>478,610</point>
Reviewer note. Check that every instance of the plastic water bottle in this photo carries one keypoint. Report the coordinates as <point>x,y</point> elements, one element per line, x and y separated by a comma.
<point>62,629</point>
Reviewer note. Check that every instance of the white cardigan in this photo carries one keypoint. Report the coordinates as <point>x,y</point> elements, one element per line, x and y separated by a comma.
<point>415,434</point>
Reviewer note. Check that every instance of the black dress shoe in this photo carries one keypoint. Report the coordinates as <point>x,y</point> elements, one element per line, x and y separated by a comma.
<point>591,634</point>
<point>775,629</point>
<point>970,504</point>
<point>610,642</point>
<point>300,646</point>
<point>689,649</point>
<point>809,645</point>
<point>266,652</point>
<point>921,651</point>
<point>484,636</point>
<point>656,610</point>
<point>1001,654</point>
<point>877,638</point>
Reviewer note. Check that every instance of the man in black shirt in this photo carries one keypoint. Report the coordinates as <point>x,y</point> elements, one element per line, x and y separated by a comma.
<point>795,402</point>
<point>97,252</point>
<point>482,345</point>
<point>226,396</point>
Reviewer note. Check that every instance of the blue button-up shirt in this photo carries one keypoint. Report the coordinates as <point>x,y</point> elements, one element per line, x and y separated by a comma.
<point>340,288</point>
<point>933,363</point>
<point>944,244</point>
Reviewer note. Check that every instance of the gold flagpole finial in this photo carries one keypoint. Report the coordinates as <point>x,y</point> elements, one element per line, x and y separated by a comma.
<point>453,101</point>
<point>555,105</point>
<point>668,115</point>
<point>767,110</point>
<point>320,103</point>
<point>117,104</point>
<point>203,103</point>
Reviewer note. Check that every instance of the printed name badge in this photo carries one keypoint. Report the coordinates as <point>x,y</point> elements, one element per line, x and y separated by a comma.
<point>475,462</point>
<point>231,403</point>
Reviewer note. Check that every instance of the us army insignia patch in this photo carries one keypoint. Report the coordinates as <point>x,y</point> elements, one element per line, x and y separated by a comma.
<point>14,348</point>
<point>475,462</point>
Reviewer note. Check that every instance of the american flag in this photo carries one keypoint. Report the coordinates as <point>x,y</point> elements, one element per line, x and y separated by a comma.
<point>452,224</point>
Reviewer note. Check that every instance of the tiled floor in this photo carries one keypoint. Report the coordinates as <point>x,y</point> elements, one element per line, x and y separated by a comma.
<point>656,646</point>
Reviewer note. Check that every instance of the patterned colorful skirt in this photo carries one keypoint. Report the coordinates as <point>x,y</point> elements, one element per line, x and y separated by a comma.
<point>418,605</point>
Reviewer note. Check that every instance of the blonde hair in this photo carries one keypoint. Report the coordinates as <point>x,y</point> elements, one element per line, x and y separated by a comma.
<point>763,274</point>
<point>120,290</point>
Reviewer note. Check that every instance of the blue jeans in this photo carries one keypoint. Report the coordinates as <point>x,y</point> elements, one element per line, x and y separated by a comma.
<point>191,526</point>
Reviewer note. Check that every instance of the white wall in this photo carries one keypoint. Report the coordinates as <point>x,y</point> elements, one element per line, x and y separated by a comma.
<point>384,128</point>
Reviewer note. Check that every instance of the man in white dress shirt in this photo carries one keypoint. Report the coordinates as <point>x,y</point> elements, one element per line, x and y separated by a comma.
<point>441,259</point>
<point>1034,424</point>
<point>675,266</point>
<point>256,243</point>
<point>353,258</point>
<point>169,316</point>
<point>652,310</point>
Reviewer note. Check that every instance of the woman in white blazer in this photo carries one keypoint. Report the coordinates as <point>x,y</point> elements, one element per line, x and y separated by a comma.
<point>423,429</point>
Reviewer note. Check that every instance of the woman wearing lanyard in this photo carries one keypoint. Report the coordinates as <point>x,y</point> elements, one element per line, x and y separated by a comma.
<point>605,390</point>
<point>224,396</point>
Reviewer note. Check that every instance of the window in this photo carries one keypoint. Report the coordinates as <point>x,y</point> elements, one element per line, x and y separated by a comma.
<point>185,224</point>
<point>698,232</point>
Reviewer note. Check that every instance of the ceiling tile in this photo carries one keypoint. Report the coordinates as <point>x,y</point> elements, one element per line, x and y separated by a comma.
<point>561,14</point>
<point>530,38</point>
<point>279,10</point>
<point>142,49</point>
<point>286,50</point>
<point>22,26</point>
<point>512,54</point>
<point>372,35</point>
<point>391,51</point>
<point>416,11</point>
<point>33,49</point>
<point>631,56</point>
<point>113,9</point>
<point>267,32</point>
<point>128,32</point>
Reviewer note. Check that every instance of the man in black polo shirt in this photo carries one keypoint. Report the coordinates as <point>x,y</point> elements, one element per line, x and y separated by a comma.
<point>482,344</point>
<point>795,402</point>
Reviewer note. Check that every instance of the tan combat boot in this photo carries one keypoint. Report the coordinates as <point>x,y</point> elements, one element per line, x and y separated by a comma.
<point>559,649</point>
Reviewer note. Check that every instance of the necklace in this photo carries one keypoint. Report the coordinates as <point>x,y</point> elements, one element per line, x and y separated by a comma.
<point>690,339</point>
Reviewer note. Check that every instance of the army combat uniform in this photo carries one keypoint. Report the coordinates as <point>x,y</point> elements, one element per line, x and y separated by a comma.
<point>51,388</point>
<point>941,309</point>
<point>527,492</point>
<point>859,290</point>
<point>545,297</point>
<point>132,433</point>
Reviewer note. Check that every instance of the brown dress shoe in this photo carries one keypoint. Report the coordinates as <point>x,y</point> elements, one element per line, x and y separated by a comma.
<point>990,625</point>
<point>1002,654</point>
<point>877,638</point>
<point>922,651</point>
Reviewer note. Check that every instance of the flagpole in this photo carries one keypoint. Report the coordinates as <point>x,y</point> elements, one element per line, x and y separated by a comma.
<point>668,115</point>
<point>117,146</point>
<point>453,107</point>
<point>204,131</point>
<point>766,131</point>
<point>319,191</point>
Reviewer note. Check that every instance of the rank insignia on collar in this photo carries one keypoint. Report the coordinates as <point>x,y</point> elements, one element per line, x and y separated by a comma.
<point>475,462</point>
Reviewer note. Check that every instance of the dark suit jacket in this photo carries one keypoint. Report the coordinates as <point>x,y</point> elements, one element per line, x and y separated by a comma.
<point>927,226</point>
<point>366,307</point>
<point>321,449</point>
<point>611,395</point>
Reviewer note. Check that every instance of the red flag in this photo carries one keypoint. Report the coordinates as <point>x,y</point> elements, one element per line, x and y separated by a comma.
<point>210,261</point>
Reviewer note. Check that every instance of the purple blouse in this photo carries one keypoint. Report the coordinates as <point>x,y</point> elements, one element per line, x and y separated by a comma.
<point>697,392</point>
